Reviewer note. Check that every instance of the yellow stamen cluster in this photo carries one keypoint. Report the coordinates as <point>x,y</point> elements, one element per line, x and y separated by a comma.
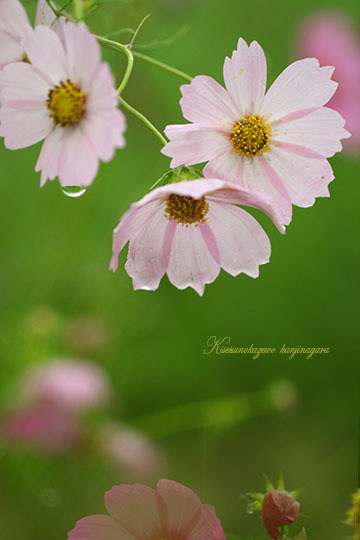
<point>353,515</point>
<point>251,136</point>
<point>25,58</point>
<point>66,103</point>
<point>186,210</point>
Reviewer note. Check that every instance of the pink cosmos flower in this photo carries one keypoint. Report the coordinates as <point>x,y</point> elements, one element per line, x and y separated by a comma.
<point>67,383</point>
<point>276,143</point>
<point>137,512</point>
<point>14,23</point>
<point>43,427</point>
<point>190,230</point>
<point>66,96</point>
<point>279,508</point>
<point>332,39</point>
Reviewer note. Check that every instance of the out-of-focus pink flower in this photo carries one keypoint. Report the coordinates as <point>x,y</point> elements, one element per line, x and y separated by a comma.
<point>139,512</point>
<point>130,450</point>
<point>13,24</point>
<point>66,96</point>
<point>331,37</point>
<point>43,427</point>
<point>279,508</point>
<point>69,384</point>
<point>190,230</point>
<point>276,143</point>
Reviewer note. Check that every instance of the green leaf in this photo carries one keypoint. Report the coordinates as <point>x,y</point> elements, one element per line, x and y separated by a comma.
<point>281,483</point>
<point>268,484</point>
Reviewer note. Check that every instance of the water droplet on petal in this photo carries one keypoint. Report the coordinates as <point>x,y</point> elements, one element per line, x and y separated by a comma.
<point>73,191</point>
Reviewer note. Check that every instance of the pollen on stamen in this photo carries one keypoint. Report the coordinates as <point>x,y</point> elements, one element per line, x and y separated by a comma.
<point>66,103</point>
<point>251,136</point>
<point>186,210</point>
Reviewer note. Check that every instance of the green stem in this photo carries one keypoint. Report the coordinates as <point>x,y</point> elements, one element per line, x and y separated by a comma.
<point>162,65</point>
<point>116,45</point>
<point>143,119</point>
<point>128,71</point>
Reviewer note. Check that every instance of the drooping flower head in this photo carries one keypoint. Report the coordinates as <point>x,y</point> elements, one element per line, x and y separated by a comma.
<point>137,512</point>
<point>67,383</point>
<point>332,38</point>
<point>66,96</point>
<point>275,143</point>
<point>279,508</point>
<point>14,23</point>
<point>190,230</point>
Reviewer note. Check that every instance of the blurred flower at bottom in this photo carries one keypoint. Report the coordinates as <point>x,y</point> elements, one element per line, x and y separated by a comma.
<point>331,38</point>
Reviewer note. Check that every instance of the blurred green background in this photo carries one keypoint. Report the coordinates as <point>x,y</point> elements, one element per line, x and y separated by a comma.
<point>55,253</point>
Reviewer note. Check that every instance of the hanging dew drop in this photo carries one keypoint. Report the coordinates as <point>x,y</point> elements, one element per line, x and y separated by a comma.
<point>73,191</point>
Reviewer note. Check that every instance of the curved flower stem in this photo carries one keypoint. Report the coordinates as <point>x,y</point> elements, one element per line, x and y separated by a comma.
<point>162,65</point>
<point>129,68</point>
<point>143,118</point>
<point>130,58</point>
<point>116,45</point>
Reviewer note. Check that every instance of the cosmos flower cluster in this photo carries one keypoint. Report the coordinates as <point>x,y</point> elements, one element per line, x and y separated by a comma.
<point>263,149</point>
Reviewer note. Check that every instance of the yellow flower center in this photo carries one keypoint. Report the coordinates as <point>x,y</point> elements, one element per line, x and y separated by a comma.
<point>66,103</point>
<point>251,136</point>
<point>186,210</point>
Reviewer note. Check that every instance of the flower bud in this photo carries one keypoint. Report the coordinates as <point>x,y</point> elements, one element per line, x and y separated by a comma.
<point>279,508</point>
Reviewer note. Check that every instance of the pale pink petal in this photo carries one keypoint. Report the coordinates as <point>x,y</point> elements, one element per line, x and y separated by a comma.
<point>228,166</point>
<point>242,243</point>
<point>138,509</point>
<point>83,53</point>
<point>46,53</point>
<point>104,132</point>
<point>183,508</point>
<point>145,263</point>
<point>10,50</point>
<point>207,103</point>
<point>78,164</point>
<point>208,526</point>
<point>249,174</point>
<point>245,77</point>
<point>44,14</point>
<point>131,222</point>
<point>191,264</point>
<point>13,19</point>
<point>321,131</point>
<point>25,125</point>
<point>305,178</point>
<point>99,527</point>
<point>48,161</point>
<point>302,85</point>
<point>20,81</point>
<point>190,144</point>
<point>102,95</point>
